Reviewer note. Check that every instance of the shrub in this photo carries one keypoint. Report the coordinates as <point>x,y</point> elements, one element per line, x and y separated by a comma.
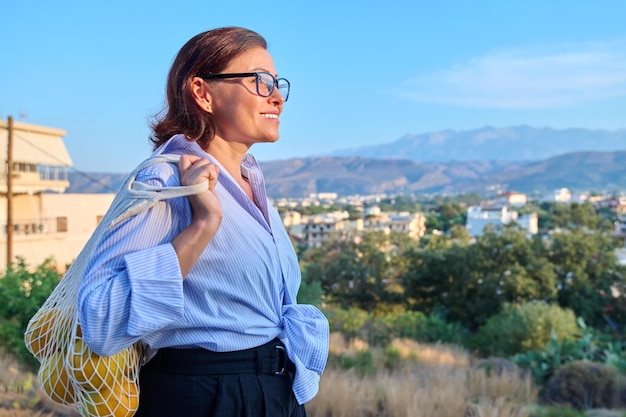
<point>593,346</point>
<point>438,331</point>
<point>409,325</point>
<point>310,293</point>
<point>416,326</point>
<point>22,292</point>
<point>497,366</point>
<point>393,357</point>
<point>361,361</point>
<point>524,328</point>
<point>349,322</point>
<point>584,385</point>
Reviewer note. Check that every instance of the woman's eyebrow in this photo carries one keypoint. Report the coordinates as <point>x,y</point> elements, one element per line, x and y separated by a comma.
<point>263,70</point>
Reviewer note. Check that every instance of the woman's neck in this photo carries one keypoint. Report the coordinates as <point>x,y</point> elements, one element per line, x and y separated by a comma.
<point>229,155</point>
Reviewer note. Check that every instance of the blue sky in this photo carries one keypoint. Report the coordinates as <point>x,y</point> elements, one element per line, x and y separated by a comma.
<point>362,73</point>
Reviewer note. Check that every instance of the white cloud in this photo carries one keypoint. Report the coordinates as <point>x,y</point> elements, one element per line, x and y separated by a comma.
<point>544,77</point>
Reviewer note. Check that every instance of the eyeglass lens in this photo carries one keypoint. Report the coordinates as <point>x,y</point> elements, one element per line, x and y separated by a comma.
<point>266,83</point>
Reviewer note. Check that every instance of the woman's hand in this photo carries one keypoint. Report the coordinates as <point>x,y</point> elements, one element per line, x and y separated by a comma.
<point>207,211</point>
<point>195,170</point>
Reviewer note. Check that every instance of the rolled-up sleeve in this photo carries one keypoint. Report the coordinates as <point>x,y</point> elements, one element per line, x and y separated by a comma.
<point>156,284</point>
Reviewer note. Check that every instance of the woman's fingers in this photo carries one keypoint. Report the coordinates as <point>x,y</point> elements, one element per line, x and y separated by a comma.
<point>186,161</point>
<point>214,173</point>
<point>194,170</point>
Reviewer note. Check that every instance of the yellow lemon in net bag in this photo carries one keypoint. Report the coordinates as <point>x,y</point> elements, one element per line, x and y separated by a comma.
<point>93,370</point>
<point>39,337</point>
<point>55,381</point>
<point>94,403</point>
<point>127,397</point>
<point>119,400</point>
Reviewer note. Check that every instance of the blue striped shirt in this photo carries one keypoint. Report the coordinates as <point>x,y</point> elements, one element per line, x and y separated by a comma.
<point>240,293</point>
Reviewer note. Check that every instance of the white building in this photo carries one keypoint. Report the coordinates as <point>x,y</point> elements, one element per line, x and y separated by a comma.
<point>479,217</point>
<point>413,225</point>
<point>511,199</point>
<point>45,225</point>
<point>560,195</point>
<point>529,222</point>
<point>323,196</point>
<point>319,228</point>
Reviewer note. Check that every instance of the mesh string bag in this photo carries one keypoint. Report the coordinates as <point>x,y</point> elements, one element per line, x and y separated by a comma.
<point>70,372</point>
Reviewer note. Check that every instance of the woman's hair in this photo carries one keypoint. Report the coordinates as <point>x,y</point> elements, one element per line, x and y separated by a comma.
<point>207,52</point>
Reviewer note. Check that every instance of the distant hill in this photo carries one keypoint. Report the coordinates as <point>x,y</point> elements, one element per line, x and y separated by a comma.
<point>348,176</point>
<point>577,170</point>
<point>517,143</point>
<point>589,171</point>
<point>519,158</point>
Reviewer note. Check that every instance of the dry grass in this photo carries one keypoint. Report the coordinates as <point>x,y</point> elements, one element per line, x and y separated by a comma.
<point>12,374</point>
<point>431,381</point>
<point>513,386</point>
<point>432,354</point>
<point>345,395</point>
<point>500,407</point>
<point>20,396</point>
<point>339,345</point>
<point>433,390</point>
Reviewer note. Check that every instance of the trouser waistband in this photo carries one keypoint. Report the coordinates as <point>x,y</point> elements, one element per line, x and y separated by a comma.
<point>269,358</point>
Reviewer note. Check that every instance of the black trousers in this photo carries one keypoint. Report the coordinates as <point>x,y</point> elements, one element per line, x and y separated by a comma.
<point>199,383</point>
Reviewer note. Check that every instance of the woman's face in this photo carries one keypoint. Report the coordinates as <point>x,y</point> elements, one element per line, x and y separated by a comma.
<point>239,113</point>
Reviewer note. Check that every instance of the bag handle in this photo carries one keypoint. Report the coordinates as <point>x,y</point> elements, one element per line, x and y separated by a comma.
<point>150,195</point>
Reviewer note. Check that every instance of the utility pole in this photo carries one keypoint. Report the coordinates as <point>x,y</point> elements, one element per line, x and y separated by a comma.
<point>10,192</point>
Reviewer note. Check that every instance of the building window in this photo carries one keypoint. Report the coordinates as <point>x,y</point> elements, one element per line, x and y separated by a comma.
<point>61,224</point>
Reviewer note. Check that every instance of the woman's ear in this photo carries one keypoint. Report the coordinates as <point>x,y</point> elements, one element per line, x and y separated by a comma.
<point>201,93</point>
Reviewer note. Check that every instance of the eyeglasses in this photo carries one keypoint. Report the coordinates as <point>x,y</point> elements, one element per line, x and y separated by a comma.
<point>265,82</point>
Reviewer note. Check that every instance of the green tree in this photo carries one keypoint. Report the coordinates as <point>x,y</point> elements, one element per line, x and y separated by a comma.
<point>310,293</point>
<point>470,283</point>
<point>399,203</point>
<point>358,272</point>
<point>451,214</point>
<point>587,273</point>
<point>445,281</point>
<point>568,216</point>
<point>433,222</point>
<point>459,235</point>
<point>517,265</point>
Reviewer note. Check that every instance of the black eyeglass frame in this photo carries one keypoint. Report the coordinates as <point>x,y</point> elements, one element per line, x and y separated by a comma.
<point>257,76</point>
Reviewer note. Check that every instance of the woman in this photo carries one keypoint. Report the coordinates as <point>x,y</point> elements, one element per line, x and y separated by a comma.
<point>208,283</point>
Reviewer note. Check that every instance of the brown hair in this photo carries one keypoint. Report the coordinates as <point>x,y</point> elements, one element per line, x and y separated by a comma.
<point>207,52</point>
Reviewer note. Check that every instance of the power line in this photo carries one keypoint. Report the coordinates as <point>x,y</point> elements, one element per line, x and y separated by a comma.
<point>63,164</point>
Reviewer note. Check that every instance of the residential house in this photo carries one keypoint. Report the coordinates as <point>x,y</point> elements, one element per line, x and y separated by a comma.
<point>413,225</point>
<point>479,217</point>
<point>511,199</point>
<point>47,223</point>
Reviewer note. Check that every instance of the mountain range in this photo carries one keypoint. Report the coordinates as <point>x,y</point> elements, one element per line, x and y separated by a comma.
<point>522,158</point>
<point>517,143</point>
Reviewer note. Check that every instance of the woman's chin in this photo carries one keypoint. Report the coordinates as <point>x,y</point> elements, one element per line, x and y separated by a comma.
<point>270,139</point>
